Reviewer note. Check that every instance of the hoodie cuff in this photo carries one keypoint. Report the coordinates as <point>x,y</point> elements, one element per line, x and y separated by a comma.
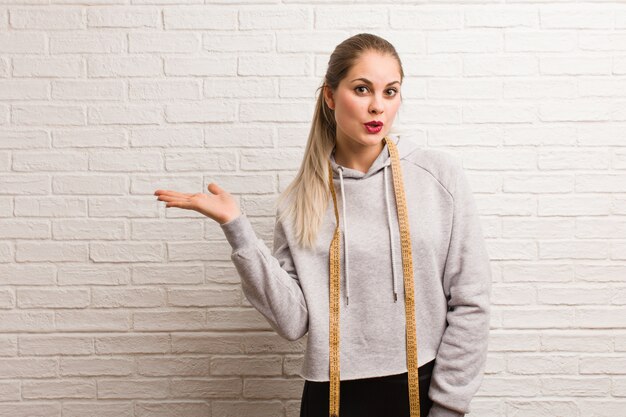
<point>239,232</point>
<point>440,411</point>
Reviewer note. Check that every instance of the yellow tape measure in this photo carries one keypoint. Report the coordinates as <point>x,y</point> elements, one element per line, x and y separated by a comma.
<point>409,292</point>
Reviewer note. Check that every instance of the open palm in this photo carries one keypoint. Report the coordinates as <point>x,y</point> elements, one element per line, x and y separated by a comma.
<point>219,205</point>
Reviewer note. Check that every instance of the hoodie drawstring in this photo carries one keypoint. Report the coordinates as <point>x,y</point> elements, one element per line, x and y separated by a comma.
<point>345,235</point>
<point>393,259</point>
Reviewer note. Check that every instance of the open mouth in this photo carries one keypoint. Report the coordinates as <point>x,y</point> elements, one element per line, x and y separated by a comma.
<point>373,127</point>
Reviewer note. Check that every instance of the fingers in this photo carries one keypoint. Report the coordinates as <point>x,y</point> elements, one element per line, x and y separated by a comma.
<point>215,189</point>
<point>172,193</point>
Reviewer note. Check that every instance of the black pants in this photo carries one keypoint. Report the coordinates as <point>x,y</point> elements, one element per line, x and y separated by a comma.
<point>370,397</point>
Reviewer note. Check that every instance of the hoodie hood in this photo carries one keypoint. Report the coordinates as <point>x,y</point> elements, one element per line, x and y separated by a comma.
<point>405,148</point>
<point>382,164</point>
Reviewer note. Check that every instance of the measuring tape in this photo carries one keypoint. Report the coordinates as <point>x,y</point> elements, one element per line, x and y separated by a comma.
<point>409,292</point>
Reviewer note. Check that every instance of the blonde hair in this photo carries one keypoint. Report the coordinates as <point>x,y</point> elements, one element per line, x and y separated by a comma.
<point>309,192</point>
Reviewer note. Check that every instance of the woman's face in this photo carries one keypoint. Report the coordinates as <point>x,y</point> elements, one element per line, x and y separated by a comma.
<point>357,101</point>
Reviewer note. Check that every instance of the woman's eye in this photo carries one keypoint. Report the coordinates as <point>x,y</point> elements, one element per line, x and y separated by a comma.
<point>390,89</point>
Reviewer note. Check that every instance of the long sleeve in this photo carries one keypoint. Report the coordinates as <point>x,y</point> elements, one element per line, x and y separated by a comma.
<point>460,360</point>
<point>269,279</point>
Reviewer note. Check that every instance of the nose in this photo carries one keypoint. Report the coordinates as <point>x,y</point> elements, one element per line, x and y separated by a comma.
<point>376,106</point>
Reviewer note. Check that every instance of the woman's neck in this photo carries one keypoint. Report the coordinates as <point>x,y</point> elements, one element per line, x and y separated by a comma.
<point>359,158</point>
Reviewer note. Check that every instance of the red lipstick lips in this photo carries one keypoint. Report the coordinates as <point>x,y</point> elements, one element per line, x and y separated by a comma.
<point>373,126</point>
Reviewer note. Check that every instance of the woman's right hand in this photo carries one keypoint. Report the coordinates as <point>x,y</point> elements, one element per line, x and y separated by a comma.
<point>219,205</point>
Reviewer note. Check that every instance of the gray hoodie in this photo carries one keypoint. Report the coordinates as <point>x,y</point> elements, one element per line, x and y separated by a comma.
<point>289,285</point>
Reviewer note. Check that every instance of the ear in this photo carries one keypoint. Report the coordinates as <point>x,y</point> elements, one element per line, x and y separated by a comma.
<point>328,97</point>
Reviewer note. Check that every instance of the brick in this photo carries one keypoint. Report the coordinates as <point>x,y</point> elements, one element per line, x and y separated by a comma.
<point>55,19</point>
<point>29,161</point>
<point>53,298</point>
<point>89,184</point>
<point>221,388</point>
<point>574,65</point>
<point>71,229</point>
<point>102,138</point>
<point>601,317</point>
<point>49,345</point>
<point>132,343</point>
<point>126,252</point>
<point>202,67</point>
<point>88,274</point>
<point>166,229</point>
<point>431,18</point>
<point>96,367</point>
<point>209,342</point>
<point>168,274</point>
<point>126,206</point>
<point>57,115</point>
<point>205,160</point>
<point>170,320</point>
<point>200,297</point>
<point>122,17</point>
<point>132,388</point>
<point>172,409</point>
<point>163,42</point>
<point>124,66</point>
<point>164,90</point>
<point>8,346</point>
<point>538,318</point>
<point>294,18</point>
<point>88,90</point>
<point>500,386</point>
<point>256,366</point>
<point>24,90</point>
<point>28,367</point>
<point>9,391</point>
<point>95,409</point>
<point>51,251</point>
<point>237,136</point>
<point>88,43</point>
<point>48,67</point>
<point>580,17</point>
<point>27,274</point>
<point>575,386</point>
<point>537,89</point>
<point>202,18</point>
<point>238,42</point>
<point>174,366</point>
<point>127,161</point>
<point>331,17</point>
<point>541,364</point>
<point>127,297</point>
<point>24,229</point>
<point>126,115</point>
<point>165,137</point>
<point>32,139</point>
<point>540,41</point>
<point>200,112</point>
<point>22,43</point>
<point>271,388</point>
<point>576,342</point>
<point>273,65</point>
<point>612,365</point>
<point>61,389</point>
<point>91,320</point>
<point>25,409</point>
<point>541,408</point>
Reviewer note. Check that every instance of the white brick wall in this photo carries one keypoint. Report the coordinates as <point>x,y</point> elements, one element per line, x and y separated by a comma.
<point>111,305</point>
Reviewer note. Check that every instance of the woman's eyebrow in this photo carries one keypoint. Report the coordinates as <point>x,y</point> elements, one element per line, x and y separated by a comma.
<point>365,80</point>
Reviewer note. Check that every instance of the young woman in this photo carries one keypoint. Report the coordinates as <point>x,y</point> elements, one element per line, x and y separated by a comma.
<point>378,254</point>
